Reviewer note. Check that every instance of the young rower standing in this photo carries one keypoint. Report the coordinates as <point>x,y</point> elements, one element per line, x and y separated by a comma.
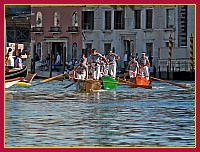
<point>81,71</point>
<point>143,64</point>
<point>112,58</point>
<point>133,68</point>
<point>94,63</point>
<point>103,67</point>
<point>83,59</point>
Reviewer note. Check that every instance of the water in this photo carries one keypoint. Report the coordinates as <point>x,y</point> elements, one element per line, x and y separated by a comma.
<point>49,115</point>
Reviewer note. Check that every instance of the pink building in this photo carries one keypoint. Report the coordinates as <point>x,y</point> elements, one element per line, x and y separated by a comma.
<point>56,29</point>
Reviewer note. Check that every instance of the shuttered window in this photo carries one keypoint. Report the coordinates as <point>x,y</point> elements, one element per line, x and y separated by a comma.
<point>149,18</point>
<point>119,21</point>
<point>137,19</point>
<point>107,20</point>
<point>87,20</point>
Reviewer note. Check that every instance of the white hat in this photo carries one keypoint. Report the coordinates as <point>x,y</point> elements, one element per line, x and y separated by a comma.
<point>143,53</point>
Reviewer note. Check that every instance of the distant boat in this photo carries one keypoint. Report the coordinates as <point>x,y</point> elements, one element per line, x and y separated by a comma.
<point>16,72</point>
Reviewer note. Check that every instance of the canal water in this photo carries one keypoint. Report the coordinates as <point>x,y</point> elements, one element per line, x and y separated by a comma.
<point>50,115</point>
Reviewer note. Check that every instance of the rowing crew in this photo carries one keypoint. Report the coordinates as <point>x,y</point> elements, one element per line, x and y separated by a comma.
<point>135,68</point>
<point>98,65</point>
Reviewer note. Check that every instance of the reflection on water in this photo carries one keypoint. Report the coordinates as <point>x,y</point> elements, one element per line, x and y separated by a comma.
<point>49,115</point>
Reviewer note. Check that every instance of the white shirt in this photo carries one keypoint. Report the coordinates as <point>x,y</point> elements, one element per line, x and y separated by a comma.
<point>143,61</point>
<point>111,58</point>
<point>133,65</point>
<point>125,57</point>
<point>58,59</point>
<point>94,58</point>
<point>10,61</point>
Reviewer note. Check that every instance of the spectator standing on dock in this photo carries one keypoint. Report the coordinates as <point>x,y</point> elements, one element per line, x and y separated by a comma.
<point>18,61</point>
<point>58,59</point>
<point>150,61</point>
<point>48,60</point>
<point>112,67</point>
<point>53,59</point>
<point>125,59</point>
<point>136,57</point>
<point>10,62</point>
<point>37,58</point>
<point>143,64</point>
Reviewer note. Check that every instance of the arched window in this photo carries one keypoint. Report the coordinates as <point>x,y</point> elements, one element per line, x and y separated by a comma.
<point>56,19</point>
<point>39,19</point>
<point>75,18</point>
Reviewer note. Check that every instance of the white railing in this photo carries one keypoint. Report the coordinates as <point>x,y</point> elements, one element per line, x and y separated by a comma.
<point>176,65</point>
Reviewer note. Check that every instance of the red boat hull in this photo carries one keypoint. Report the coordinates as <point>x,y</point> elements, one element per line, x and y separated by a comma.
<point>139,82</point>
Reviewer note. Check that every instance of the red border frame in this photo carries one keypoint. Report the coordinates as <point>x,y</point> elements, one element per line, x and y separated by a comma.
<point>3,2</point>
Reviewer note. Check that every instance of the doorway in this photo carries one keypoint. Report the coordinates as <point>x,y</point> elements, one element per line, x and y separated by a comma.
<point>129,47</point>
<point>57,47</point>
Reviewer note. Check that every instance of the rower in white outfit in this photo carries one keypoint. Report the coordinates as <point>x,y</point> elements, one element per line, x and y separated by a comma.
<point>81,71</point>
<point>94,63</point>
<point>112,67</point>
<point>143,64</point>
<point>133,68</point>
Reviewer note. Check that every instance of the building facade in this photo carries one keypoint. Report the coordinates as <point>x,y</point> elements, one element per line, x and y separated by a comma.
<point>73,30</point>
<point>56,29</point>
<point>138,29</point>
<point>18,25</point>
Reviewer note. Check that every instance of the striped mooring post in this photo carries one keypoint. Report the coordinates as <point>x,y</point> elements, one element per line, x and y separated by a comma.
<point>191,53</point>
<point>169,52</point>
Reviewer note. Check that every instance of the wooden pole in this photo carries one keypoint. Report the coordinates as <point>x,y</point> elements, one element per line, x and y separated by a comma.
<point>50,66</point>
<point>191,53</point>
<point>169,51</point>
<point>33,61</point>
<point>64,58</point>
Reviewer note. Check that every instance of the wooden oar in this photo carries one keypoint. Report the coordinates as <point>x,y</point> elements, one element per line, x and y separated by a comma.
<point>179,85</point>
<point>52,78</point>
<point>69,85</point>
<point>49,79</point>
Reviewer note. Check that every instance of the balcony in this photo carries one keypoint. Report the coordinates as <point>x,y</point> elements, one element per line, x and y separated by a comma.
<point>55,29</point>
<point>73,29</point>
<point>37,29</point>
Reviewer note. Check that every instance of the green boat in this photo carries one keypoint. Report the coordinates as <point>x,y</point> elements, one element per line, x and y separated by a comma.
<point>109,83</point>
